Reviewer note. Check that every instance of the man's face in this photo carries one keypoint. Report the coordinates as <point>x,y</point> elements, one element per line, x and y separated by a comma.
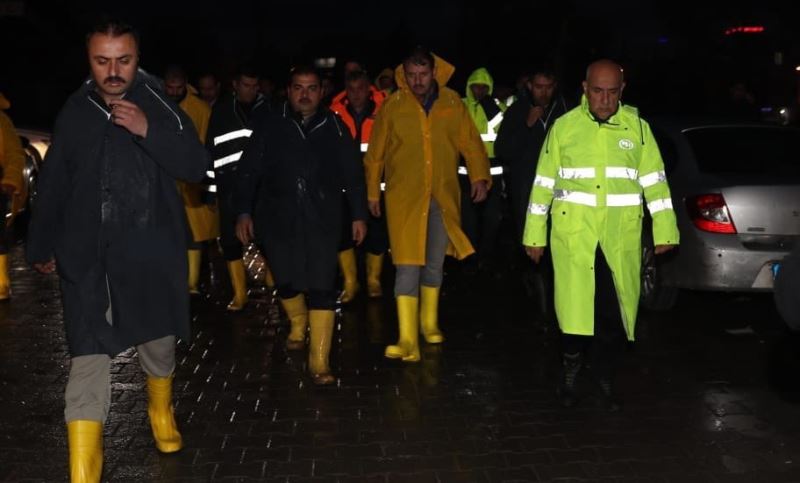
<point>542,89</point>
<point>358,93</point>
<point>208,88</point>
<point>175,88</point>
<point>304,93</point>
<point>113,62</point>
<point>246,89</point>
<point>603,89</point>
<point>419,79</point>
<point>479,91</point>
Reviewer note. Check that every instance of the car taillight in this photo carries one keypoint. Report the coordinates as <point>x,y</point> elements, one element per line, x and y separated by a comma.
<point>710,213</point>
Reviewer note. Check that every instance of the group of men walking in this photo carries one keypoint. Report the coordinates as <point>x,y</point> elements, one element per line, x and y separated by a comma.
<point>128,167</point>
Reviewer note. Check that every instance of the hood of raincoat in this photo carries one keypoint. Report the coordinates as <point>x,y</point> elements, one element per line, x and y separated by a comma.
<point>479,76</point>
<point>442,72</point>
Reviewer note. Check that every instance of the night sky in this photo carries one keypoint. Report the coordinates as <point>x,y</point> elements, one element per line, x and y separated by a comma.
<point>676,55</point>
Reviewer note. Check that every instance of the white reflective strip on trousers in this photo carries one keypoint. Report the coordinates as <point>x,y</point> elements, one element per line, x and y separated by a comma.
<point>621,172</point>
<point>544,182</point>
<point>210,174</point>
<point>577,197</point>
<point>632,199</point>
<point>659,205</point>
<point>364,147</point>
<point>649,180</point>
<point>241,133</point>
<point>576,173</point>
<point>537,209</point>
<point>227,160</point>
<point>488,138</point>
<point>494,170</point>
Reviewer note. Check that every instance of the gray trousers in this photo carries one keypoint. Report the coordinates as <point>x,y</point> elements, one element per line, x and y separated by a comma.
<point>410,277</point>
<point>88,394</point>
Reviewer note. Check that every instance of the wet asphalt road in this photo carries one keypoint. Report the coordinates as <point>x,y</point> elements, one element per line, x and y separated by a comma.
<point>711,392</point>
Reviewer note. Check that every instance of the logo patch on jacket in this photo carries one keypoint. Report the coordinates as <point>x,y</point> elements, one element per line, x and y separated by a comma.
<point>626,144</point>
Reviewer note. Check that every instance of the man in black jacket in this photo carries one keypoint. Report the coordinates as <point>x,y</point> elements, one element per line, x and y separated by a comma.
<point>228,134</point>
<point>109,211</point>
<point>288,198</point>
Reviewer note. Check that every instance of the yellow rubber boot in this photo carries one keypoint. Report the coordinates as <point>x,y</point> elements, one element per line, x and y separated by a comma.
<point>195,256</point>
<point>429,314</point>
<point>407,348</point>
<point>162,416</point>
<point>5,284</point>
<point>239,283</point>
<point>297,312</point>
<point>85,450</point>
<point>347,262</point>
<point>374,267</point>
<point>321,322</point>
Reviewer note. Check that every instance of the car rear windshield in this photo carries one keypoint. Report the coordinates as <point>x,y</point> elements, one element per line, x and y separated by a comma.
<point>765,150</point>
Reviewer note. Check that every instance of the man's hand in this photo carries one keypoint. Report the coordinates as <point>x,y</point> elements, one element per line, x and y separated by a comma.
<point>661,249</point>
<point>359,231</point>
<point>45,268</point>
<point>374,208</point>
<point>479,191</point>
<point>129,116</point>
<point>8,189</point>
<point>534,114</point>
<point>244,229</point>
<point>535,253</point>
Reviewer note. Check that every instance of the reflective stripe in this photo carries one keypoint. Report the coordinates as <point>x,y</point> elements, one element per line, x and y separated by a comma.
<point>578,197</point>
<point>364,147</point>
<point>210,174</point>
<point>383,186</point>
<point>633,199</point>
<point>227,160</point>
<point>488,138</point>
<point>576,173</point>
<point>650,179</point>
<point>659,205</point>
<point>496,120</point>
<point>211,188</point>
<point>544,182</point>
<point>537,209</point>
<point>494,170</point>
<point>621,172</point>
<point>241,133</point>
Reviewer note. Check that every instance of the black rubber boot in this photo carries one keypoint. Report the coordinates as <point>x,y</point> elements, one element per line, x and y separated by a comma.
<point>606,396</point>
<point>567,389</point>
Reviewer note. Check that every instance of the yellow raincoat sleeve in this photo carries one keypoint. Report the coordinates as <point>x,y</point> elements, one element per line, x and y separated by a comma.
<point>376,154</point>
<point>535,234</point>
<point>12,156</point>
<point>653,180</point>
<point>472,149</point>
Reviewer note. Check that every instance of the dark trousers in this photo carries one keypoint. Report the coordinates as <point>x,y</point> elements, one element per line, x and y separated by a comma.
<point>608,341</point>
<point>232,248</point>
<point>316,300</point>
<point>481,221</point>
<point>5,203</point>
<point>377,240</point>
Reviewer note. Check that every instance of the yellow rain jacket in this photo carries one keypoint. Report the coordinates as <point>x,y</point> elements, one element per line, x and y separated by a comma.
<point>417,155</point>
<point>203,218</point>
<point>12,159</point>
<point>593,179</point>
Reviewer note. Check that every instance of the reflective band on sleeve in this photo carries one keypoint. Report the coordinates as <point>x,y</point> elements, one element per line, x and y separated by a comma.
<point>576,173</point>
<point>364,147</point>
<point>578,197</point>
<point>210,174</point>
<point>544,182</point>
<point>496,120</point>
<point>659,205</point>
<point>633,199</point>
<point>621,172</point>
<point>537,209</point>
<point>227,160</point>
<point>241,133</point>
<point>650,179</point>
<point>487,138</point>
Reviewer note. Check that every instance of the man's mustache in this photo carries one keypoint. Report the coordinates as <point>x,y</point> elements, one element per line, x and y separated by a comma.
<point>114,78</point>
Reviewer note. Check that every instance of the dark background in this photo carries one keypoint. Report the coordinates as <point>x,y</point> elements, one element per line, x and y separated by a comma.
<point>676,55</point>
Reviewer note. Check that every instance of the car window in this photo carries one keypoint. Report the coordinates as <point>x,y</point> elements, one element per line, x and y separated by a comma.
<point>746,150</point>
<point>669,152</point>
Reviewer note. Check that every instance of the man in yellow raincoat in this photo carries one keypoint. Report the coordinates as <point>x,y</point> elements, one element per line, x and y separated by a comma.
<point>598,163</point>
<point>12,163</point>
<point>416,141</point>
<point>203,217</point>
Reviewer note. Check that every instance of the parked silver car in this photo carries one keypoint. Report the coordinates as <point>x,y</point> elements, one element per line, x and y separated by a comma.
<point>736,193</point>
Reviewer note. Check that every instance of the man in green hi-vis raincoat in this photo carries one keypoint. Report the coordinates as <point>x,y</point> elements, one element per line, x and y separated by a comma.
<point>597,168</point>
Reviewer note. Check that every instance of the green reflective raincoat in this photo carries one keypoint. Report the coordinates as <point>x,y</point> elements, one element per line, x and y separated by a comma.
<point>487,128</point>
